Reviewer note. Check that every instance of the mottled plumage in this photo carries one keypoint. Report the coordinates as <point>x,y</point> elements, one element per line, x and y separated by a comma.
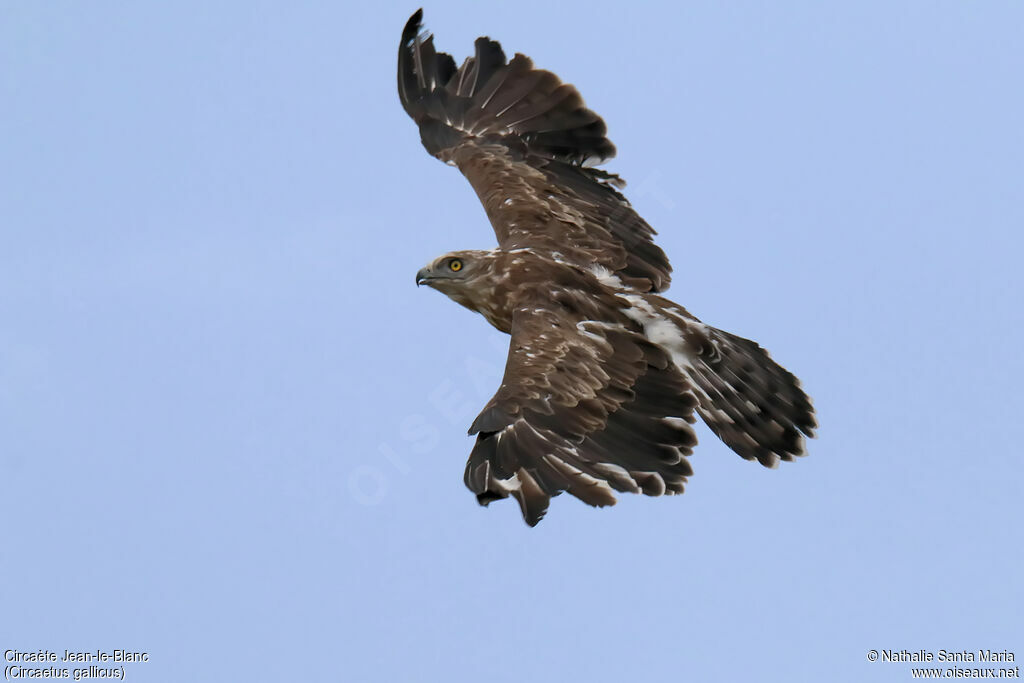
<point>604,376</point>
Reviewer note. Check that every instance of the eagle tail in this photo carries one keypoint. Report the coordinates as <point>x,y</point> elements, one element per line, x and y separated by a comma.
<point>489,95</point>
<point>749,401</point>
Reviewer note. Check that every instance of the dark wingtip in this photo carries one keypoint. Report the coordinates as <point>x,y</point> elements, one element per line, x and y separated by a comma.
<point>488,497</point>
<point>407,80</point>
<point>412,27</point>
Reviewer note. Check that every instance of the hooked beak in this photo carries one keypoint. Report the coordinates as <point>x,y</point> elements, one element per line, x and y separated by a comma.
<point>423,276</point>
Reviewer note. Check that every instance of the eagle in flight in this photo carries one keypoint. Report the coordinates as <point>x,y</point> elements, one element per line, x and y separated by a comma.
<point>604,375</point>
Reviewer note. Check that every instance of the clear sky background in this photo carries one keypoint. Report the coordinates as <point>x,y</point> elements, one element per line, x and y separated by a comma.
<point>232,431</point>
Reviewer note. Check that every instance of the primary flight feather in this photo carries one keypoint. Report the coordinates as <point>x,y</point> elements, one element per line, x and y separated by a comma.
<point>604,376</point>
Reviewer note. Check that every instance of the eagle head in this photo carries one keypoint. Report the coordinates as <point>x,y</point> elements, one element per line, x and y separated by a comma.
<point>468,278</point>
<point>456,271</point>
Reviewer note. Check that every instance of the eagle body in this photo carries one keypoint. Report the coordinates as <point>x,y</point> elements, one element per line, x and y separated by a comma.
<point>604,376</point>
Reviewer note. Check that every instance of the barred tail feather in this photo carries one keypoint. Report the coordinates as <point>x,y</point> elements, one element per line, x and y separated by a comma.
<point>751,402</point>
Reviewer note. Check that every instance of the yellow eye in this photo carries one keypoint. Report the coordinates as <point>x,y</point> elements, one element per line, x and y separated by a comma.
<point>455,265</point>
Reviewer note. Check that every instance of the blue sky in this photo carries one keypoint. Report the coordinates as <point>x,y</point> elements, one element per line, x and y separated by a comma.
<point>232,431</point>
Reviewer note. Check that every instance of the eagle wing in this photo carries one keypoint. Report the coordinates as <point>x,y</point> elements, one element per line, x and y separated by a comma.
<point>523,139</point>
<point>586,407</point>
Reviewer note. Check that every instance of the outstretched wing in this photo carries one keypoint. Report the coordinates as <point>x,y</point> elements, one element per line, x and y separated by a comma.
<point>586,407</point>
<point>523,138</point>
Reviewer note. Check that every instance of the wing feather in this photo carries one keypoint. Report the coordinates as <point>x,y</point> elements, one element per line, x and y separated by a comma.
<point>585,407</point>
<point>525,142</point>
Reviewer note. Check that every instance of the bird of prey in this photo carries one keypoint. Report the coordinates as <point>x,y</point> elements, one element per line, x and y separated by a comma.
<point>604,375</point>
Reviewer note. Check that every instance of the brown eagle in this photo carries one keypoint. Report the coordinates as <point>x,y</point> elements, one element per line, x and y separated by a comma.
<point>603,375</point>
